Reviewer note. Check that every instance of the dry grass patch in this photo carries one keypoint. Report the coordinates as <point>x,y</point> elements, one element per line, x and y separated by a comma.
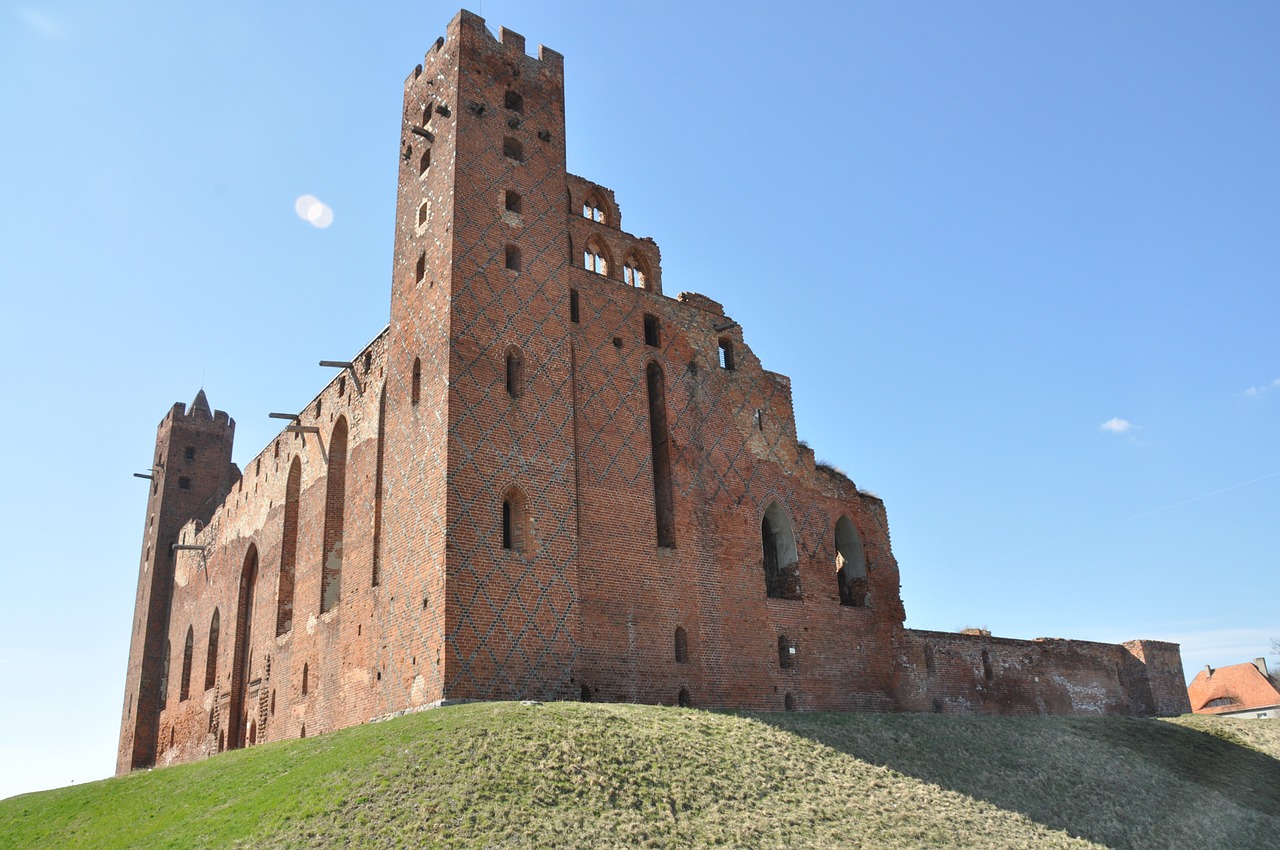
<point>569,774</point>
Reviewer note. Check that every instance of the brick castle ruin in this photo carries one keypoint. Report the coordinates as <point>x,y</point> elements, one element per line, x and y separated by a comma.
<point>544,479</point>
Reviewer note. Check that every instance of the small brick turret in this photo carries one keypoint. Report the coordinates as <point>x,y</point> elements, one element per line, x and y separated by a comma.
<point>191,473</point>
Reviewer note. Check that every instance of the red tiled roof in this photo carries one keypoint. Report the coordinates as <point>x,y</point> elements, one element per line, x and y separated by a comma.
<point>1237,687</point>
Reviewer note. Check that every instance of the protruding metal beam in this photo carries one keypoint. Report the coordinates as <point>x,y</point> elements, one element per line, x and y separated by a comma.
<point>350,367</point>
<point>724,327</point>
<point>283,415</point>
<point>144,475</point>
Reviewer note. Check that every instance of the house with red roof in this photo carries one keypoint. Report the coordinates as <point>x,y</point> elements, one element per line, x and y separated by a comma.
<point>1240,690</point>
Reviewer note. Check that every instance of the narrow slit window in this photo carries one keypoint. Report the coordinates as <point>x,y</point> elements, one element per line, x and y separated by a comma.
<point>512,149</point>
<point>652,331</point>
<point>663,506</point>
<point>184,685</point>
<point>211,657</point>
<point>424,162</point>
<point>514,101</point>
<point>786,652</point>
<point>682,645</point>
<point>513,201</point>
<point>573,306</point>
<point>416,383</point>
<point>422,214</point>
<point>164,675</point>
<point>515,373</point>
<point>421,271</point>
<point>726,354</point>
<point>512,258</point>
<point>513,521</point>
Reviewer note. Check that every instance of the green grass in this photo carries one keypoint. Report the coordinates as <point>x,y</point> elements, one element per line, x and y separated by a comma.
<point>577,775</point>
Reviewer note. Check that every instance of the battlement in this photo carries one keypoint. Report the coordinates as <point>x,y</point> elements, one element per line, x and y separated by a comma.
<point>468,30</point>
<point>472,31</point>
<point>199,412</point>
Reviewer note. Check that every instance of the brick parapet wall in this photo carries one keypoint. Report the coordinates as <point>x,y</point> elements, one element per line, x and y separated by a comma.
<point>966,673</point>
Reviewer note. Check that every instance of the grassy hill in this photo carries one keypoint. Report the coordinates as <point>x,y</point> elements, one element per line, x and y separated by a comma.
<point>578,775</point>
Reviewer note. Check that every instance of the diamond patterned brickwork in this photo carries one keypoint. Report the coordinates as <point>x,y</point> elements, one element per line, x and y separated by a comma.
<point>726,469</point>
<point>510,615</point>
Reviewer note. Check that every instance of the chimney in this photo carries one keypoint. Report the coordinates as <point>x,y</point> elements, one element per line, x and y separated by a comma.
<point>1261,664</point>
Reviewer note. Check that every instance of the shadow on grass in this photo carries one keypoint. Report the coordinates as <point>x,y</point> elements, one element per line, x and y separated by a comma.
<point>1129,784</point>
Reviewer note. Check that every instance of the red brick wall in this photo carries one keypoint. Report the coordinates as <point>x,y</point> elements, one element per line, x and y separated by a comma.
<point>967,673</point>
<point>587,603</point>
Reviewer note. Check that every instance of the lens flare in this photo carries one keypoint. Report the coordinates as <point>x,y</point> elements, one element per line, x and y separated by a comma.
<point>313,211</point>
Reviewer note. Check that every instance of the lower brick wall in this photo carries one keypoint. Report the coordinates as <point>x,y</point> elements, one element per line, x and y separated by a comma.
<point>980,674</point>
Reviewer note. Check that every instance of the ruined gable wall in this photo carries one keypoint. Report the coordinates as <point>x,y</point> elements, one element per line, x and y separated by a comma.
<point>733,450</point>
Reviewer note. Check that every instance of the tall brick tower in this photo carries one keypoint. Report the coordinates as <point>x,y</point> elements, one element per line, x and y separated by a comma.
<point>191,473</point>
<point>478,303</point>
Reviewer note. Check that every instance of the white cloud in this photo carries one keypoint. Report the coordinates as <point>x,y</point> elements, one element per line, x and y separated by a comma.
<point>1116,425</point>
<point>41,23</point>
<point>1261,390</point>
<point>313,211</point>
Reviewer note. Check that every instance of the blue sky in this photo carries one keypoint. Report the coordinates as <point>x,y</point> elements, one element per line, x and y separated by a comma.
<point>972,234</point>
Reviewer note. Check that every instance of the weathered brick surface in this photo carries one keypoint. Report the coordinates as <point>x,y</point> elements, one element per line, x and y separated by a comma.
<point>577,599</point>
<point>969,673</point>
